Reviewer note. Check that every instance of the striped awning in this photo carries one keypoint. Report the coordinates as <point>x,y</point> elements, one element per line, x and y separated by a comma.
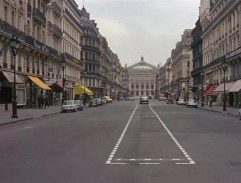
<point>210,90</point>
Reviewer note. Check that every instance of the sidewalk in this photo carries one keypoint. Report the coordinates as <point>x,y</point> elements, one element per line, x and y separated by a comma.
<point>26,114</point>
<point>230,110</point>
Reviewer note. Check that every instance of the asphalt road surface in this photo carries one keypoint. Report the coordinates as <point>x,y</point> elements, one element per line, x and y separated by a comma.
<point>123,142</point>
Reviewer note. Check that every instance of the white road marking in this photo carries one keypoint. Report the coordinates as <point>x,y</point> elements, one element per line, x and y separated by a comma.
<point>174,139</point>
<point>149,163</point>
<point>120,139</point>
<point>143,160</point>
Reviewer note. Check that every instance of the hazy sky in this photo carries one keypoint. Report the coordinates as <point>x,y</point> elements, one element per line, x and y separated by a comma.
<point>148,28</point>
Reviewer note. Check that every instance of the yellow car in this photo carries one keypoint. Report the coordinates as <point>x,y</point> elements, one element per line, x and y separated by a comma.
<point>108,99</point>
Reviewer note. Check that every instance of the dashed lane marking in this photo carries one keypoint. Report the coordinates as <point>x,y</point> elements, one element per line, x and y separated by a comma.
<point>174,139</point>
<point>112,154</point>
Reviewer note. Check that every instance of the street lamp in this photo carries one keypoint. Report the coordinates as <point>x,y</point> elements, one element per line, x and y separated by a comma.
<point>15,45</point>
<point>202,78</point>
<point>224,66</point>
<point>63,62</point>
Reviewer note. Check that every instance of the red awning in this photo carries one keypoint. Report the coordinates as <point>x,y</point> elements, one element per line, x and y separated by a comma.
<point>60,85</point>
<point>210,90</point>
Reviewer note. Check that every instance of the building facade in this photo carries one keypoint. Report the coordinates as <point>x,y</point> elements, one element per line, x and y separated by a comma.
<point>182,67</point>
<point>197,72</point>
<point>221,42</point>
<point>142,79</point>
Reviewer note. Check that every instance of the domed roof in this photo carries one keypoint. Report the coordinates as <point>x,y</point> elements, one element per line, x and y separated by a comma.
<point>142,66</point>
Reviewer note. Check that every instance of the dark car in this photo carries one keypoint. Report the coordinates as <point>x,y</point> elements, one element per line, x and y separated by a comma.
<point>79,104</point>
<point>170,101</point>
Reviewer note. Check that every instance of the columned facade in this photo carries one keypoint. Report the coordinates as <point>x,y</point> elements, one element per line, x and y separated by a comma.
<point>142,79</point>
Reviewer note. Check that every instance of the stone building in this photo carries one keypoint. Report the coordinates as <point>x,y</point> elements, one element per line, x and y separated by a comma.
<point>182,67</point>
<point>90,53</point>
<point>142,79</point>
<point>37,24</point>
<point>197,72</point>
<point>165,77</point>
<point>221,20</point>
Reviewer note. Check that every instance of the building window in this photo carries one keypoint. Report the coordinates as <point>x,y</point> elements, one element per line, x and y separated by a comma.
<point>142,86</point>
<point>13,16</point>
<point>6,14</point>
<point>137,93</point>
<point>132,86</point>
<point>152,86</point>
<point>142,92</point>
<point>147,86</point>
<point>137,86</point>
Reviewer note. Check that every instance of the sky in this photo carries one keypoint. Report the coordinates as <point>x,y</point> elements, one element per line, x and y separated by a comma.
<point>148,28</point>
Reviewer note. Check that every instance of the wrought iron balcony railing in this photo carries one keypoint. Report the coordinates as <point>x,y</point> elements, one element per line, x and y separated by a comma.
<point>38,15</point>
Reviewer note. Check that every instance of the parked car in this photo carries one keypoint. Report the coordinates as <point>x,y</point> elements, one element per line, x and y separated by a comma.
<point>127,98</point>
<point>144,100</point>
<point>79,104</point>
<point>99,101</point>
<point>162,98</point>
<point>103,100</point>
<point>132,98</point>
<point>181,102</point>
<point>108,99</point>
<point>93,103</point>
<point>69,105</point>
<point>121,98</point>
<point>191,103</point>
<point>169,101</point>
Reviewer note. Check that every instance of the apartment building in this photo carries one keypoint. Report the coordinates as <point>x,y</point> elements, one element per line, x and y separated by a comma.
<point>221,22</point>
<point>182,66</point>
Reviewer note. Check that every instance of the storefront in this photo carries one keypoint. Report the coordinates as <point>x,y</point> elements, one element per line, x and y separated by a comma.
<point>35,88</point>
<point>6,88</point>
<point>209,94</point>
<point>219,91</point>
<point>236,90</point>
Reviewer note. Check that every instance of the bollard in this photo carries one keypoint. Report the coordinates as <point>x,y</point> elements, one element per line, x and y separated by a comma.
<point>6,107</point>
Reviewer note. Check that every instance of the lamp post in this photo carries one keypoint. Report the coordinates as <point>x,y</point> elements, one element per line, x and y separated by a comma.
<point>15,45</point>
<point>202,78</point>
<point>224,66</point>
<point>84,97</point>
<point>63,69</point>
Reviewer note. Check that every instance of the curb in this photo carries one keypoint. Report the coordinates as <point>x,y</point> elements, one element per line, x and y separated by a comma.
<point>26,119</point>
<point>16,121</point>
<point>226,113</point>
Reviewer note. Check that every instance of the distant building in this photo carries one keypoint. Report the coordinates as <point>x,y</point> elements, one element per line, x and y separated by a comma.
<point>142,79</point>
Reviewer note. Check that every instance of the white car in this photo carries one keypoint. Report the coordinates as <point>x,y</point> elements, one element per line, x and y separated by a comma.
<point>69,105</point>
<point>191,103</point>
<point>144,100</point>
<point>181,102</point>
<point>239,114</point>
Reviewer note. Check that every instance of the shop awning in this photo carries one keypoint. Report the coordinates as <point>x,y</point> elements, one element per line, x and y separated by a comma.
<point>220,88</point>
<point>210,90</point>
<point>10,77</point>
<point>236,87</point>
<point>80,89</point>
<point>40,83</point>
<point>196,89</point>
<point>60,85</point>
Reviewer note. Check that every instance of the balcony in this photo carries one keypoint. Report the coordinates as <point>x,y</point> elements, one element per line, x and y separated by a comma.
<point>56,8</point>
<point>57,31</point>
<point>49,25</point>
<point>39,16</point>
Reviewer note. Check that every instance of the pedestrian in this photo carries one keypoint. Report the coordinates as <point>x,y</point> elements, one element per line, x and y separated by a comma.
<point>39,101</point>
<point>211,102</point>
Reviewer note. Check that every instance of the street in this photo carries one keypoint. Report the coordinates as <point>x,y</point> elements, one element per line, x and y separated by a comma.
<point>123,142</point>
